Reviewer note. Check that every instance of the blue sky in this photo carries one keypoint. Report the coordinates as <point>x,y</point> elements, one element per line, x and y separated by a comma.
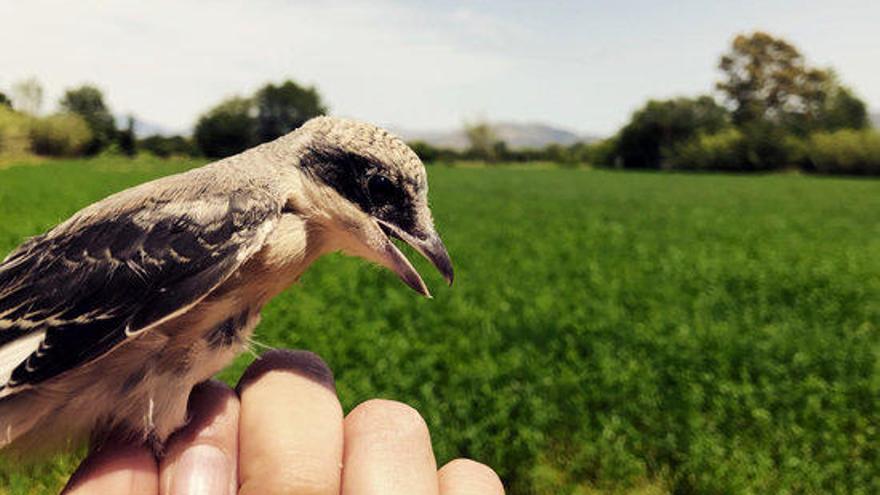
<point>419,65</point>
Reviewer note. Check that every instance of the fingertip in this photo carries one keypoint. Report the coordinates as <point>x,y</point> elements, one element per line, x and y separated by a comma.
<point>467,477</point>
<point>303,363</point>
<point>387,450</point>
<point>386,417</point>
<point>202,457</point>
<point>291,426</point>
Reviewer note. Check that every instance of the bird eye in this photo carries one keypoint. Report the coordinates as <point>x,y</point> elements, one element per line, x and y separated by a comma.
<point>382,190</point>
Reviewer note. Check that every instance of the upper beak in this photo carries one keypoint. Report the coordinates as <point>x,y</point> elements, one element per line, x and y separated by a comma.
<point>430,246</point>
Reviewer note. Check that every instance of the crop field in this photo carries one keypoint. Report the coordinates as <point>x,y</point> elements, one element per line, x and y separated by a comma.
<point>608,332</point>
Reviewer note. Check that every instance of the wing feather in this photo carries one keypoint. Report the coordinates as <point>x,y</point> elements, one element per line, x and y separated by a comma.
<point>91,287</point>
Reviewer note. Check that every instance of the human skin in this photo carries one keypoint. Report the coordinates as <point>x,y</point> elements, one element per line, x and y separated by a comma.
<point>282,430</point>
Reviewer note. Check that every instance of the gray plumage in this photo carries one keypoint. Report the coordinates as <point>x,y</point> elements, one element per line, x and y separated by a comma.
<point>108,320</point>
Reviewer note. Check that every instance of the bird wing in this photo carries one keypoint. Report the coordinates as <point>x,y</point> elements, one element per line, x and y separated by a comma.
<point>71,295</point>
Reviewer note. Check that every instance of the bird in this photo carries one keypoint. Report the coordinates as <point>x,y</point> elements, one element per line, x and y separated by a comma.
<point>109,319</point>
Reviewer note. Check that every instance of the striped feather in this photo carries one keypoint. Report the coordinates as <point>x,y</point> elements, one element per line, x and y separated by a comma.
<point>74,294</point>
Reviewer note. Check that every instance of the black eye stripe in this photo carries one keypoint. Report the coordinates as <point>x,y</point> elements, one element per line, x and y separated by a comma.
<point>363,182</point>
<point>343,171</point>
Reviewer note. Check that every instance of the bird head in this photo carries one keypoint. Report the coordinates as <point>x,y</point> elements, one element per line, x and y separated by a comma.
<point>368,187</point>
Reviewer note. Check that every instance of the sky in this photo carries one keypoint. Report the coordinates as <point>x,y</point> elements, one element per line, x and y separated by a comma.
<point>416,65</point>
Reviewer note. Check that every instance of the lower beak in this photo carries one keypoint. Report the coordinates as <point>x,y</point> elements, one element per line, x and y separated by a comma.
<point>430,246</point>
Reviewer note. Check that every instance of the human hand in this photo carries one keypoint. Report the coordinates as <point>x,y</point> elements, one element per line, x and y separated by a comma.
<point>282,431</point>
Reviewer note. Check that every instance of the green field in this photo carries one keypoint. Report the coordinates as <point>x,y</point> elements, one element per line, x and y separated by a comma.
<point>607,332</point>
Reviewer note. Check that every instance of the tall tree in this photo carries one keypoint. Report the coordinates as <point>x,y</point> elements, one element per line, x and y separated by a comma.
<point>767,80</point>
<point>283,108</point>
<point>87,101</point>
<point>27,96</point>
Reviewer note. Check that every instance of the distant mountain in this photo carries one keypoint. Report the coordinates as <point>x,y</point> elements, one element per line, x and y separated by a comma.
<point>441,139</point>
<point>516,135</point>
<point>875,119</point>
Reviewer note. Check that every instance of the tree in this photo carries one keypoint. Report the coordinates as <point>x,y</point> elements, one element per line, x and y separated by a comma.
<point>27,96</point>
<point>482,141</point>
<point>283,108</point>
<point>5,101</point>
<point>766,79</point>
<point>238,123</point>
<point>167,146</point>
<point>660,125</point>
<point>227,129</point>
<point>842,109</point>
<point>126,138</point>
<point>87,101</point>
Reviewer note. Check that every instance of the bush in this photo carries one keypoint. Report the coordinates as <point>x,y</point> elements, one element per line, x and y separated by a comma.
<point>63,134</point>
<point>756,148</point>
<point>167,146</point>
<point>797,150</point>
<point>13,132</point>
<point>720,151</point>
<point>602,153</point>
<point>429,153</point>
<point>845,152</point>
<point>768,147</point>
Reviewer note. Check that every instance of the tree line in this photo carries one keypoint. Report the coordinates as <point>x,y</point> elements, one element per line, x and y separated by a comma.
<point>84,125</point>
<point>771,110</point>
<point>239,123</point>
<point>776,112</point>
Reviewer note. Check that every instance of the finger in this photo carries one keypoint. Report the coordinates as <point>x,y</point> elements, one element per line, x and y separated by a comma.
<point>387,451</point>
<point>466,477</point>
<point>291,426</point>
<point>116,468</point>
<point>203,456</point>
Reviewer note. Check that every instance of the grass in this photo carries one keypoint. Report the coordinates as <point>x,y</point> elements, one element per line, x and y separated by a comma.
<point>608,332</point>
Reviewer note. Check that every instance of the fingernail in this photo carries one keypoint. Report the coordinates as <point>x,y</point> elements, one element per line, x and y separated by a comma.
<point>304,363</point>
<point>202,469</point>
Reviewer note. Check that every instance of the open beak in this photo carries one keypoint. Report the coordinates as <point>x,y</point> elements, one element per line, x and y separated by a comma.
<point>430,246</point>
